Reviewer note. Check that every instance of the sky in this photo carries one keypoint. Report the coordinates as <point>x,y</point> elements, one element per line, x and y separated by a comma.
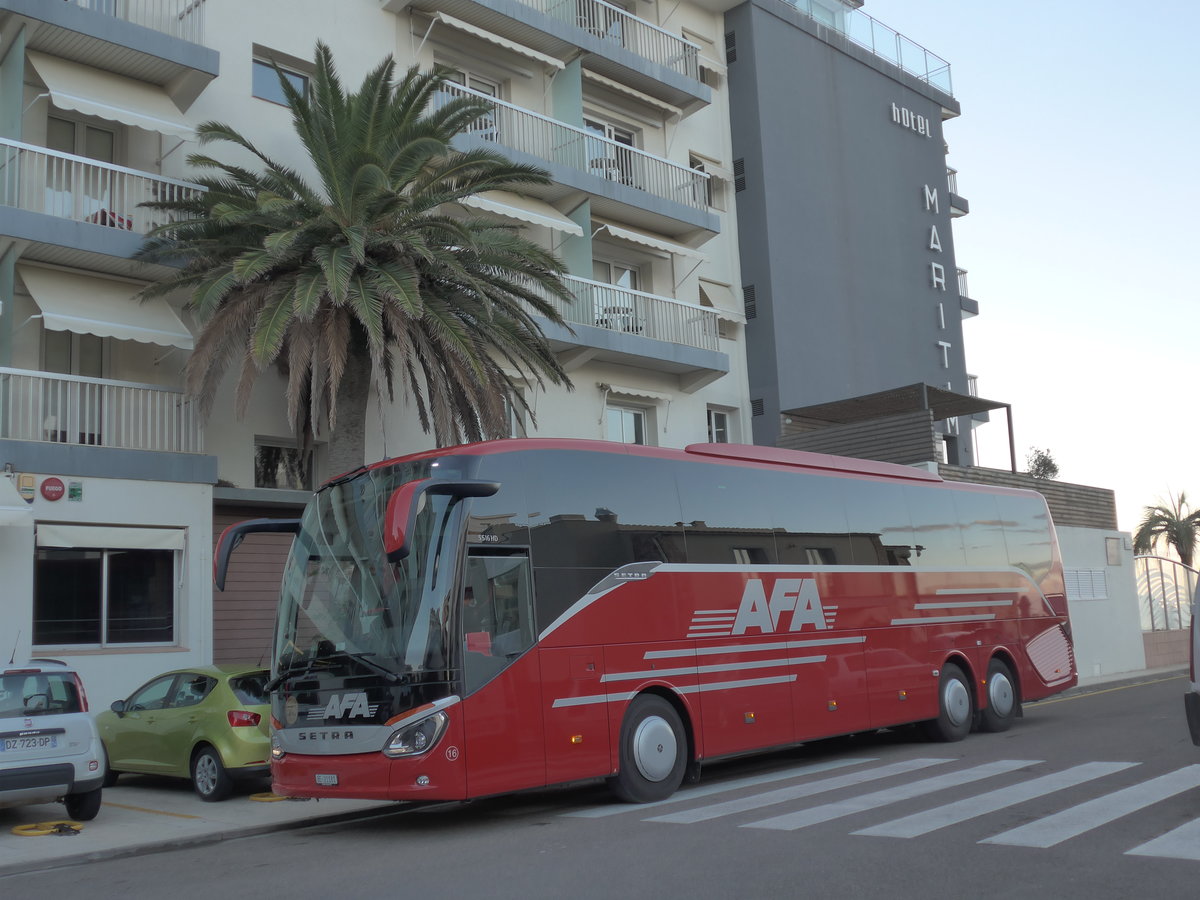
<point>1077,150</point>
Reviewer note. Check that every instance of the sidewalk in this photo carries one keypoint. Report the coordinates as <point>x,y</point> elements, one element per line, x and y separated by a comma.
<point>142,814</point>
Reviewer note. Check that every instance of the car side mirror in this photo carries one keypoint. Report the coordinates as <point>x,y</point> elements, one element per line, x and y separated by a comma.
<point>118,706</point>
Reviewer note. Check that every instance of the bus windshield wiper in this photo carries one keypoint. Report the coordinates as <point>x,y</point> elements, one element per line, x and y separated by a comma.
<point>391,676</point>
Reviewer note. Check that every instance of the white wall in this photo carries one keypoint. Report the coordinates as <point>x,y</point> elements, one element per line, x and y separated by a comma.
<point>1108,633</point>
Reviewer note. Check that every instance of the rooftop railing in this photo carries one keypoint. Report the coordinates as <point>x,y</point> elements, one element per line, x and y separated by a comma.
<point>634,312</point>
<point>183,19</point>
<point>69,409</point>
<point>613,24</point>
<point>83,190</point>
<point>882,41</point>
<point>587,151</point>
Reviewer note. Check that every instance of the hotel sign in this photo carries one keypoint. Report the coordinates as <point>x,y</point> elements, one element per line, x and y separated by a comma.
<point>906,118</point>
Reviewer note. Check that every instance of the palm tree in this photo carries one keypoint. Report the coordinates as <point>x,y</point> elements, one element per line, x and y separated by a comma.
<point>1177,527</point>
<point>361,276</point>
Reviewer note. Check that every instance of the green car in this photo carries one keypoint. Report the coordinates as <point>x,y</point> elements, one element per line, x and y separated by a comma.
<point>208,724</point>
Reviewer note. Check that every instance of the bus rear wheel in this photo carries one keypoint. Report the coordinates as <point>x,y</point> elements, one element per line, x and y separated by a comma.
<point>653,751</point>
<point>1002,698</point>
<point>955,709</point>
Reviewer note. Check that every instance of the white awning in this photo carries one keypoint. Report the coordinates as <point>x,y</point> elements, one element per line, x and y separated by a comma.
<point>484,35</point>
<point>95,92</point>
<point>617,86</point>
<point>522,209</point>
<point>639,237</point>
<point>104,537</point>
<point>639,393</point>
<point>13,508</point>
<point>724,304</point>
<point>102,306</point>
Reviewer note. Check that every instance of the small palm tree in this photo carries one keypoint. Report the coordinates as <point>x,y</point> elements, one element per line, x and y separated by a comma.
<point>361,276</point>
<point>1173,524</point>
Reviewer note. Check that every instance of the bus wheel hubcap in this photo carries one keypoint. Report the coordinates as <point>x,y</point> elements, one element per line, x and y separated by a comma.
<point>1000,695</point>
<point>654,748</point>
<point>956,701</point>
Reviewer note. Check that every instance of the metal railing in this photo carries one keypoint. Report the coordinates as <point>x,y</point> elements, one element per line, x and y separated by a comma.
<point>952,179</point>
<point>587,151</point>
<point>879,39</point>
<point>179,18</point>
<point>1165,590</point>
<point>69,409</point>
<point>74,187</point>
<point>634,312</point>
<point>613,24</point>
<point>962,284</point>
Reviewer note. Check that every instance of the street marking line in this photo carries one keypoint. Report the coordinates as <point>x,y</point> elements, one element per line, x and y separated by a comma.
<point>1072,822</point>
<point>157,812</point>
<point>1123,687</point>
<point>1179,843</point>
<point>1002,798</point>
<point>783,795</point>
<point>719,787</point>
<point>875,799</point>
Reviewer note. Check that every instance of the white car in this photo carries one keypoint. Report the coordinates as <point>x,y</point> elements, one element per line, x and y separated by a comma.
<point>49,747</point>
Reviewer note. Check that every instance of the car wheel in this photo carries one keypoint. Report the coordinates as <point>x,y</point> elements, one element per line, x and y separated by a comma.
<point>1002,697</point>
<point>83,806</point>
<point>209,777</point>
<point>654,751</point>
<point>956,712</point>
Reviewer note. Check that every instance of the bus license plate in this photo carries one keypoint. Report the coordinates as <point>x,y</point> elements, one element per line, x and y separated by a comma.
<point>327,780</point>
<point>36,742</point>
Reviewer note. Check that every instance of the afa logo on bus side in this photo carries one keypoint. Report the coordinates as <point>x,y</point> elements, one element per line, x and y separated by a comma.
<point>798,597</point>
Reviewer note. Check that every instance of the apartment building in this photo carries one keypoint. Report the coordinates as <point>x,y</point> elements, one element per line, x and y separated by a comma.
<point>113,487</point>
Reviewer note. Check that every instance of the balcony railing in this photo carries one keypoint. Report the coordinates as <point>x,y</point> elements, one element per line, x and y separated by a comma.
<point>74,187</point>
<point>882,41</point>
<point>613,24</point>
<point>962,283</point>
<point>68,409</point>
<point>952,179</point>
<point>179,18</point>
<point>587,151</point>
<point>634,312</point>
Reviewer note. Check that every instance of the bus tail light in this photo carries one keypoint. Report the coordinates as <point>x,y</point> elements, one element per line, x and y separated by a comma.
<point>414,739</point>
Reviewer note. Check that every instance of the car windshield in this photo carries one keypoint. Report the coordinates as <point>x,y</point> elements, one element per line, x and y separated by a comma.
<point>343,600</point>
<point>249,688</point>
<point>38,694</point>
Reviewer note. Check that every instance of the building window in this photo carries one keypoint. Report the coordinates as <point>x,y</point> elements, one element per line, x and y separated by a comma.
<point>102,597</point>
<point>514,411</point>
<point>626,425</point>
<point>610,158</point>
<point>265,83</point>
<point>718,427</point>
<point>276,465</point>
<point>486,126</point>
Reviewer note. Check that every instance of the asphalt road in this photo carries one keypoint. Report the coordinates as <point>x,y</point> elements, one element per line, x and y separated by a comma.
<point>1092,795</point>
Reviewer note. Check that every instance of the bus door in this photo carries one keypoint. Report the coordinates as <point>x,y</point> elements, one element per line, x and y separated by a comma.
<point>502,711</point>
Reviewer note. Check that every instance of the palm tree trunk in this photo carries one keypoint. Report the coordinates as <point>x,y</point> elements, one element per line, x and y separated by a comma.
<point>346,447</point>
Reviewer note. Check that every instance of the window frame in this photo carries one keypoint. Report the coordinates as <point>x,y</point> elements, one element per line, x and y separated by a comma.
<point>261,61</point>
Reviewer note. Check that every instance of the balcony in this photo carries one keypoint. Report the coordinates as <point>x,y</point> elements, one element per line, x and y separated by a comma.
<point>613,324</point>
<point>67,409</point>
<point>102,197</point>
<point>624,182</point>
<point>617,44</point>
<point>968,306</point>
<point>958,204</point>
<point>156,41</point>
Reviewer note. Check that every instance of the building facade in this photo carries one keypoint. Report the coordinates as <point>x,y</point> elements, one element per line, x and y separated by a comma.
<point>114,487</point>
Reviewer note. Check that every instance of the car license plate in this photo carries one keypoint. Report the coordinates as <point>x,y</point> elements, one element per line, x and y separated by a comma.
<point>327,780</point>
<point>34,742</point>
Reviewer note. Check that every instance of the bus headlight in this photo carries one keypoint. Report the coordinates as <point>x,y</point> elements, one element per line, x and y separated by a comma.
<point>415,739</point>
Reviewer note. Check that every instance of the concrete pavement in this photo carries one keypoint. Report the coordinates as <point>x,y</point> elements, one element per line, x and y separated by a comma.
<point>142,814</point>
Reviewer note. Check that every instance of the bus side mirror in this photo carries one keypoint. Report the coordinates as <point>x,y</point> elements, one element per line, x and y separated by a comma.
<point>232,536</point>
<point>405,503</point>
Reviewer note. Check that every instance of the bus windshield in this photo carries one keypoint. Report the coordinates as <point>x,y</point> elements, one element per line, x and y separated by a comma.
<point>342,599</point>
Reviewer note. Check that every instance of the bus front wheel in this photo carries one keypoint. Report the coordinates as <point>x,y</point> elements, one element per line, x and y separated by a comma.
<point>955,709</point>
<point>653,751</point>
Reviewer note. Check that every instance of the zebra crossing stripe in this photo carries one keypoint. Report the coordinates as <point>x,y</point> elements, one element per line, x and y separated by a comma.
<point>972,807</point>
<point>719,787</point>
<point>783,795</point>
<point>1179,843</point>
<point>828,811</point>
<point>1069,823</point>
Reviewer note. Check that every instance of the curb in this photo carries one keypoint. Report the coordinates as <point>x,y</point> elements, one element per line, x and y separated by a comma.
<point>199,840</point>
<point>1128,679</point>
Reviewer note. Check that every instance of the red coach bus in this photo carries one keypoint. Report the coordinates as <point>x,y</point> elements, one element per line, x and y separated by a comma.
<point>514,614</point>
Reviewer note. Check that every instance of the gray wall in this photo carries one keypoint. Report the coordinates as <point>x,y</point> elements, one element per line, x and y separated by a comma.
<point>833,224</point>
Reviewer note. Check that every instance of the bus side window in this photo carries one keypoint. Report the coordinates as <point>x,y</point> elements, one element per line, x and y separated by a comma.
<point>497,614</point>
